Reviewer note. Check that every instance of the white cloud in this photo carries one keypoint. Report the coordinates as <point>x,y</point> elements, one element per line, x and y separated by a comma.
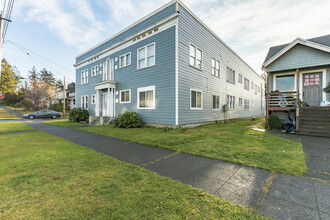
<point>251,27</point>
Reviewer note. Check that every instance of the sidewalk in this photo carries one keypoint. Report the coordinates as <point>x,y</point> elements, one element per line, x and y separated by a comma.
<point>289,197</point>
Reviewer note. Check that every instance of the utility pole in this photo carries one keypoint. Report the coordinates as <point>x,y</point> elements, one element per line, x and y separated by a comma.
<point>64,97</point>
<point>1,27</point>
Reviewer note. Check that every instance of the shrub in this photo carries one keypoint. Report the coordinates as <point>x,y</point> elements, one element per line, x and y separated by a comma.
<point>274,122</point>
<point>59,107</point>
<point>78,115</point>
<point>128,120</point>
<point>327,89</point>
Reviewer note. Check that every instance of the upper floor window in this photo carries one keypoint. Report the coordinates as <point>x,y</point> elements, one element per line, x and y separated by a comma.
<point>240,78</point>
<point>256,90</point>
<point>84,77</point>
<point>108,69</point>
<point>195,59</point>
<point>230,75</point>
<point>252,85</point>
<point>215,67</point>
<point>125,96</point>
<point>196,99</point>
<point>231,102</point>
<point>93,99</point>
<point>95,70</point>
<point>146,56</point>
<point>246,84</point>
<point>216,102</point>
<point>125,60</point>
<point>146,97</point>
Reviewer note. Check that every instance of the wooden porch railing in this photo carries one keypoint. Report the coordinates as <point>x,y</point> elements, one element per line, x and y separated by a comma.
<point>282,101</point>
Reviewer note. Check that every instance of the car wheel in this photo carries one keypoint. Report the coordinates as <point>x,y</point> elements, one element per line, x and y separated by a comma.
<point>31,117</point>
<point>54,116</point>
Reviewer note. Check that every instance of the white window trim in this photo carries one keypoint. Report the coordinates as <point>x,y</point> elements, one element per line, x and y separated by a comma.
<point>85,77</point>
<point>240,104</point>
<point>146,56</point>
<point>215,109</point>
<point>246,109</point>
<point>96,73</point>
<point>234,74</point>
<point>248,89</point>
<point>130,95</point>
<point>124,55</point>
<point>196,108</point>
<point>215,67</point>
<point>241,78</point>
<point>144,89</point>
<point>285,74</point>
<point>82,103</point>
<point>93,99</point>
<point>196,57</point>
<point>228,102</point>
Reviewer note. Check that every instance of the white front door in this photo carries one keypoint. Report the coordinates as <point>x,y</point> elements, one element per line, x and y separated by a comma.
<point>105,104</point>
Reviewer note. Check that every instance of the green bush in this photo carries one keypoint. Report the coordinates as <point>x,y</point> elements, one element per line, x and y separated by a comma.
<point>78,115</point>
<point>128,120</point>
<point>274,122</point>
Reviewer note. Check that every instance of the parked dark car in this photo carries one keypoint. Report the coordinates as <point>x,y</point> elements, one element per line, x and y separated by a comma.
<point>43,114</point>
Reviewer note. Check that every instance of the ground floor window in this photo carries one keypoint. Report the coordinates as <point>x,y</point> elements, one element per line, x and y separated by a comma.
<point>285,83</point>
<point>196,99</point>
<point>125,96</point>
<point>246,104</point>
<point>216,102</point>
<point>240,102</point>
<point>93,99</point>
<point>146,97</point>
<point>231,102</point>
<point>84,101</point>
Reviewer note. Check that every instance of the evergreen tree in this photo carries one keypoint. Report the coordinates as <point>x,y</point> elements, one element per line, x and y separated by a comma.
<point>9,81</point>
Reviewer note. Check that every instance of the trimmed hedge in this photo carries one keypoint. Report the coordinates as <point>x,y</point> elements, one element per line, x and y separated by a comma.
<point>128,120</point>
<point>78,115</point>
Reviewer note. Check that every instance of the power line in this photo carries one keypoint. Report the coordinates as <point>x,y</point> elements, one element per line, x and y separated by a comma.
<point>7,17</point>
<point>26,51</point>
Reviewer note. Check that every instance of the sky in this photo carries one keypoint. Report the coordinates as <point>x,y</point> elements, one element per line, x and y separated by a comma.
<point>54,32</point>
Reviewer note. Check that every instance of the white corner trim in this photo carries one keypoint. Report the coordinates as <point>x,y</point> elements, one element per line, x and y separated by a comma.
<point>143,89</point>
<point>177,71</point>
<point>292,44</point>
<point>130,95</point>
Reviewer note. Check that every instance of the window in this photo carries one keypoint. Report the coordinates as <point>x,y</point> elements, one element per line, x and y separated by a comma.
<point>125,60</point>
<point>216,102</point>
<point>125,96</point>
<point>195,57</point>
<point>246,84</point>
<point>95,71</point>
<point>196,99</point>
<point>259,89</point>
<point>285,83</point>
<point>84,102</point>
<point>240,78</point>
<point>246,104</point>
<point>146,97</point>
<point>231,102</point>
<point>252,85</point>
<point>256,90</point>
<point>146,56</point>
<point>93,99</point>
<point>215,67</point>
<point>240,101</point>
<point>84,77</point>
<point>92,71</point>
<point>230,75</point>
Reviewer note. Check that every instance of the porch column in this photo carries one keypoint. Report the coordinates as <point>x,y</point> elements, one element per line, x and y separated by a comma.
<point>297,99</point>
<point>97,103</point>
<point>109,103</point>
<point>267,97</point>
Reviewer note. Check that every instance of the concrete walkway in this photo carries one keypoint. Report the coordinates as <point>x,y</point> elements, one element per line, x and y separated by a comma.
<point>11,111</point>
<point>289,197</point>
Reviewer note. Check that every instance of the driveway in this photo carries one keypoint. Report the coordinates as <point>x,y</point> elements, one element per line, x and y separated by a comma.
<point>289,197</point>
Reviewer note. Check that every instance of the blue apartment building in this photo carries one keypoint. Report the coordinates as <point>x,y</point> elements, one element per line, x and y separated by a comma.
<point>171,69</point>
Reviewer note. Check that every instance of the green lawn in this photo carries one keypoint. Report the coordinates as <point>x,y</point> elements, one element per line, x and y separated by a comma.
<point>234,142</point>
<point>4,114</point>
<point>64,123</point>
<point>13,126</point>
<point>52,178</point>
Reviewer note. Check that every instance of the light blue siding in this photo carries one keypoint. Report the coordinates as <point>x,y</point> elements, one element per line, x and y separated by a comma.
<point>300,56</point>
<point>328,81</point>
<point>191,31</point>
<point>148,22</point>
<point>162,76</point>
